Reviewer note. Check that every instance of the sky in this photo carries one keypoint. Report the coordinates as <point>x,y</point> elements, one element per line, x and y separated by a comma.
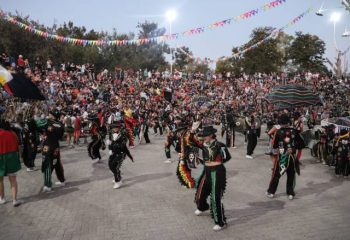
<point>124,15</point>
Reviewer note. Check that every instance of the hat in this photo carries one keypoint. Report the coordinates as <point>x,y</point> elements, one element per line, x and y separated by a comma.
<point>55,113</point>
<point>180,127</point>
<point>284,119</point>
<point>116,124</point>
<point>343,131</point>
<point>207,131</point>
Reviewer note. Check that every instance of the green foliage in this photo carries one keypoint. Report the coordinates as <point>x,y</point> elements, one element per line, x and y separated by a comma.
<point>15,41</point>
<point>182,57</point>
<point>306,52</point>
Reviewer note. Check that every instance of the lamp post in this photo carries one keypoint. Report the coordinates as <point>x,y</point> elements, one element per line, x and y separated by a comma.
<point>335,17</point>
<point>171,16</point>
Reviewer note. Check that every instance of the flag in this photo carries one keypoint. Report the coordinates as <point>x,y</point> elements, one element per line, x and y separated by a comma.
<point>19,85</point>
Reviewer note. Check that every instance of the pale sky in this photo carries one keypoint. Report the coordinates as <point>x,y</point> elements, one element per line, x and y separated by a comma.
<point>124,16</point>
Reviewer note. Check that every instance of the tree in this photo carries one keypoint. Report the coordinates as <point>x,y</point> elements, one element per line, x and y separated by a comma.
<point>224,65</point>
<point>15,41</point>
<point>182,57</point>
<point>265,58</point>
<point>306,53</point>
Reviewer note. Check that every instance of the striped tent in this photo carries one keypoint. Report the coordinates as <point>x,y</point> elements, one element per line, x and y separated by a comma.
<point>293,95</point>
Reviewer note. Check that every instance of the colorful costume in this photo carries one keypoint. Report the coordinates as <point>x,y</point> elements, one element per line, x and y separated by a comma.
<point>342,148</point>
<point>212,181</point>
<point>9,153</point>
<point>129,125</point>
<point>183,171</point>
<point>287,141</point>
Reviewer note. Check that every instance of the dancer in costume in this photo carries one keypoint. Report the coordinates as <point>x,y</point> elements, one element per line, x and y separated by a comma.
<point>118,150</point>
<point>287,141</point>
<point>183,171</point>
<point>129,125</point>
<point>51,151</point>
<point>228,122</point>
<point>170,139</point>
<point>97,140</point>
<point>30,144</point>
<point>252,134</point>
<point>299,127</point>
<point>212,181</point>
<point>342,149</point>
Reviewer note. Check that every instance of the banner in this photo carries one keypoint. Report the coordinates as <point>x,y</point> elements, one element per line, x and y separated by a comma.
<point>190,32</point>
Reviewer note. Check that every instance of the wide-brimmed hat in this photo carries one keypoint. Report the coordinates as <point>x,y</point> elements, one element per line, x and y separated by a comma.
<point>284,119</point>
<point>207,131</point>
<point>116,124</point>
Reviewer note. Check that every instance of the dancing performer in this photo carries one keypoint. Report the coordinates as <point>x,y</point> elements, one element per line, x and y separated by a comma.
<point>287,141</point>
<point>129,125</point>
<point>183,171</point>
<point>97,140</point>
<point>299,127</point>
<point>30,144</point>
<point>117,152</point>
<point>51,151</point>
<point>212,181</point>
<point>252,137</point>
<point>342,149</point>
<point>228,125</point>
<point>170,139</point>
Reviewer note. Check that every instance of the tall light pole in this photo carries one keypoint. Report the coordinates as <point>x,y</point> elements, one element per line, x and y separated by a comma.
<point>335,17</point>
<point>171,16</point>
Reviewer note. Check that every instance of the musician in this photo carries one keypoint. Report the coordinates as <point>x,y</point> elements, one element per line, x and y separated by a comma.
<point>286,142</point>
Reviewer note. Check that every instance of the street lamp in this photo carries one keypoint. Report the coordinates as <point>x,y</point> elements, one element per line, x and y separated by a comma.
<point>171,16</point>
<point>335,17</point>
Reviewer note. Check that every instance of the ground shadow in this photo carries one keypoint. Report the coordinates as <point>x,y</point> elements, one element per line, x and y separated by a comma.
<point>255,210</point>
<point>144,178</point>
<point>57,192</point>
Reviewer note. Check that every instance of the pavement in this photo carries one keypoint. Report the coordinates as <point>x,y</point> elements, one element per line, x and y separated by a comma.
<point>153,205</point>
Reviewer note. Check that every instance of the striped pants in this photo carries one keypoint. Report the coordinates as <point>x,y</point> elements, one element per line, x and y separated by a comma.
<point>212,182</point>
<point>49,164</point>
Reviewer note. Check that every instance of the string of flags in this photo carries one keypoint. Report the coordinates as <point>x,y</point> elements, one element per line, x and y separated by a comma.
<point>273,35</point>
<point>163,38</point>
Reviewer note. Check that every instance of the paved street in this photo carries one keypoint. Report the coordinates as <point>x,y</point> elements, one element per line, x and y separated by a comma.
<point>153,205</point>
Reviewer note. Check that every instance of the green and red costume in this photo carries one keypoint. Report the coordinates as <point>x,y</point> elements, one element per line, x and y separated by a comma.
<point>9,154</point>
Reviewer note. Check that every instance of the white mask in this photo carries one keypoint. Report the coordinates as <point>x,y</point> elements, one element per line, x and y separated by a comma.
<point>115,136</point>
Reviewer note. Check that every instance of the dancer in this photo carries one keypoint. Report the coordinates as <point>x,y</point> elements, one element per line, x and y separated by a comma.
<point>97,141</point>
<point>183,171</point>
<point>51,151</point>
<point>30,144</point>
<point>252,137</point>
<point>212,181</point>
<point>342,149</point>
<point>287,141</point>
<point>117,152</point>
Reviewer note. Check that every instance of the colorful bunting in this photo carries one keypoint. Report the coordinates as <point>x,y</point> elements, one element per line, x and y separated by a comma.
<point>198,30</point>
<point>274,34</point>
